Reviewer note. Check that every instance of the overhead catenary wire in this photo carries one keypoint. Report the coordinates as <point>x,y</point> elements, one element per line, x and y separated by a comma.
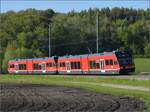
<point>77,43</point>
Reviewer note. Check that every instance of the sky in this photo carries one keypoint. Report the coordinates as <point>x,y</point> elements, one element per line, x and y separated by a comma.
<point>69,5</point>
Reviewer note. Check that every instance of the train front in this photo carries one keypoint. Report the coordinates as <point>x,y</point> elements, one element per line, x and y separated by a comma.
<point>126,61</point>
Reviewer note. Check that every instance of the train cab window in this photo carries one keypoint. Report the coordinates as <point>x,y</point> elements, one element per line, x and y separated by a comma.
<point>22,66</point>
<point>75,65</point>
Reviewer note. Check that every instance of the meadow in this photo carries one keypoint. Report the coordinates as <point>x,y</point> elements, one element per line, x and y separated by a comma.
<point>142,65</point>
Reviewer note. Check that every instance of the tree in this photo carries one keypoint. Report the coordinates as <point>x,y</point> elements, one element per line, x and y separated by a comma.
<point>10,54</point>
<point>147,50</point>
<point>73,32</point>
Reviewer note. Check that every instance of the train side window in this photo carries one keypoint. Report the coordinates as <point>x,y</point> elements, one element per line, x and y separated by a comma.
<point>49,64</point>
<point>11,66</point>
<point>111,62</point>
<point>79,65</point>
<point>97,66</point>
<point>107,62</point>
<point>92,64</point>
<point>22,66</point>
<point>75,65</point>
<point>72,65</point>
<point>19,67</point>
<point>62,64</point>
<point>36,66</point>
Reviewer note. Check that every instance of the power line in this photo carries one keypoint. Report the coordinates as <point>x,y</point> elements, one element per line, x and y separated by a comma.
<point>75,43</point>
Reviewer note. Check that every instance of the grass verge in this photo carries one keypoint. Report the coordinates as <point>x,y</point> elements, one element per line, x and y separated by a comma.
<point>47,78</point>
<point>142,65</point>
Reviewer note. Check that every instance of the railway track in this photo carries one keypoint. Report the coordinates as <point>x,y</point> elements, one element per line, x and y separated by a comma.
<point>51,98</point>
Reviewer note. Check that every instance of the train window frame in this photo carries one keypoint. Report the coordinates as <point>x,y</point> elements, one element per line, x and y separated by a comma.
<point>72,64</point>
<point>109,62</point>
<point>22,67</point>
<point>75,65</point>
<point>92,64</point>
<point>36,66</point>
<point>62,64</point>
<point>49,64</point>
<point>11,66</point>
<point>106,62</point>
<point>79,65</point>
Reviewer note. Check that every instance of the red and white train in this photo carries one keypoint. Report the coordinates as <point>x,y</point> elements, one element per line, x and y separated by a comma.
<point>115,62</point>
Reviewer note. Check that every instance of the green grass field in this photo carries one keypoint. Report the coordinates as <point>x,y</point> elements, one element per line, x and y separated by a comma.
<point>142,65</point>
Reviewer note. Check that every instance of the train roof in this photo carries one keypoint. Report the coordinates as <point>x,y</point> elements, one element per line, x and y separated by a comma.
<point>85,55</point>
<point>68,56</point>
<point>25,59</point>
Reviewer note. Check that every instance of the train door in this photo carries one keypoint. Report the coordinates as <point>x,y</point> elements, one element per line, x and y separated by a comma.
<point>16,68</point>
<point>68,66</point>
<point>102,65</point>
<point>43,67</point>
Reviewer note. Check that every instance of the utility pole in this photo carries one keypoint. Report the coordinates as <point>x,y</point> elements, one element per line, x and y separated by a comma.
<point>49,40</point>
<point>0,57</point>
<point>97,32</point>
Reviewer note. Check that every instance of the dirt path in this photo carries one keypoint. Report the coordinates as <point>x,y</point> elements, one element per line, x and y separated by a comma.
<point>140,88</point>
<point>50,98</point>
<point>132,77</point>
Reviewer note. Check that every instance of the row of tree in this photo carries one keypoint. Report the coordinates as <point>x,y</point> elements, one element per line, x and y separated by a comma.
<point>24,34</point>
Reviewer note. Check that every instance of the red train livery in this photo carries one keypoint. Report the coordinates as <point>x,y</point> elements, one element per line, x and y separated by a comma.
<point>101,63</point>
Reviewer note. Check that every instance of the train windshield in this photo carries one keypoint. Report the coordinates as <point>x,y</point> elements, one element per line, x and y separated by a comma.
<point>124,58</point>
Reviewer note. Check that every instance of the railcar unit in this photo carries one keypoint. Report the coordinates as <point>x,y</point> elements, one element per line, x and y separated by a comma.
<point>100,63</point>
